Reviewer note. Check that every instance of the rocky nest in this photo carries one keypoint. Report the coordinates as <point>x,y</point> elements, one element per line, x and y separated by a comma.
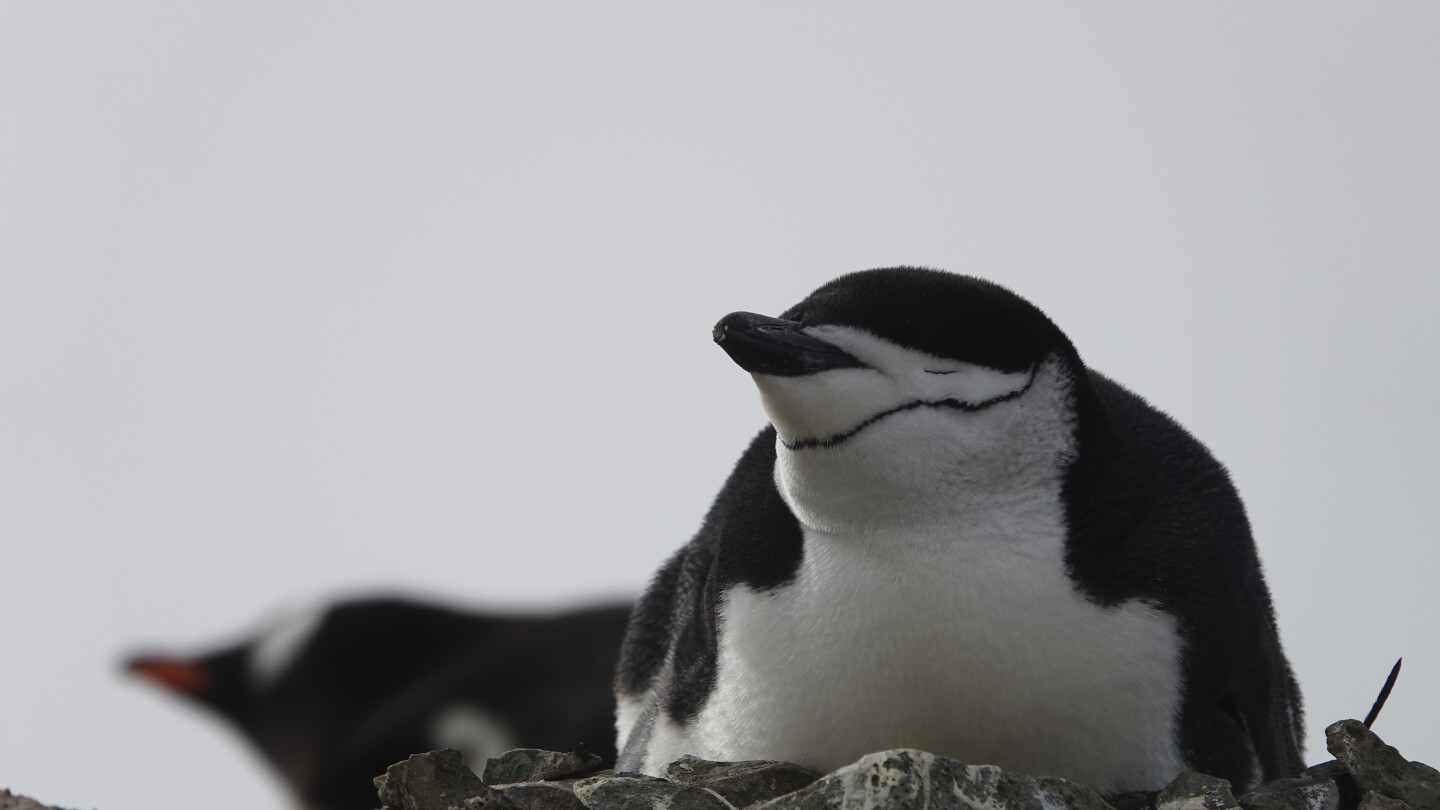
<point>1366,774</point>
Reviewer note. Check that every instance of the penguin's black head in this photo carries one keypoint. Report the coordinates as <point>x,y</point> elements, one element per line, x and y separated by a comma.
<point>877,340</point>
<point>941,314</point>
<point>217,680</point>
<point>888,389</point>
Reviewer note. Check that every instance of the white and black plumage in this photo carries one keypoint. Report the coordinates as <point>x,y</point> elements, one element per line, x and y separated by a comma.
<point>954,536</point>
<point>333,696</point>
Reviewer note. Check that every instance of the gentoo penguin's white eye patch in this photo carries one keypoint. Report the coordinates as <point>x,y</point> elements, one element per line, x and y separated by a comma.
<point>277,648</point>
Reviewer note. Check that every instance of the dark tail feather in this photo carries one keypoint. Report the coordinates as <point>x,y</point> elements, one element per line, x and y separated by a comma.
<point>1384,694</point>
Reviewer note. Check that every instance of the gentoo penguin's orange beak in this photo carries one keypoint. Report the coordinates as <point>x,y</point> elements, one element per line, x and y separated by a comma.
<point>181,676</point>
<point>764,345</point>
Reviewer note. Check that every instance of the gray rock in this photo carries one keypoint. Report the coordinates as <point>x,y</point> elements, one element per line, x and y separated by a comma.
<point>1294,794</point>
<point>533,796</point>
<point>1196,791</point>
<point>1334,771</point>
<point>1329,769</point>
<point>906,779</point>
<point>535,765</point>
<point>636,792</point>
<point>1134,800</point>
<point>439,780</point>
<point>14,801</point>
<point>1378,767</point>
<point>741,783</point>
<point>1374,801</point>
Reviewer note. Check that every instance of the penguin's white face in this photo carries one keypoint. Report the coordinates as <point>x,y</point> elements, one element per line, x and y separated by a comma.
<point>831,407</point>
<point>906,438</point>
<point>874,432</point>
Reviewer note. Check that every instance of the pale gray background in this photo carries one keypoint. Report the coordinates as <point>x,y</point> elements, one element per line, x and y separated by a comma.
<point>301,299</point>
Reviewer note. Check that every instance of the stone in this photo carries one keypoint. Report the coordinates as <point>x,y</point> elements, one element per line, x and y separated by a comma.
<point>14,801</point>
<point>533,796</point>
<point>438,780</point>
<point>1294,794</point>
<point>1374,801</point>
<point>535,765</point>
<point>1334,771</point>
<point>1196,791</point>
<point>1134,800</point>
<point>1367,774</point>
<point>1329,769</point>
<point>741,783</point>
<point>906,779</point>
<point>637,792</point>
<point>1379,768</point>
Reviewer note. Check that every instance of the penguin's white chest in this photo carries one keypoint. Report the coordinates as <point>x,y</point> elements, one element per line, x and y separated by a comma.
<point>967,640</point>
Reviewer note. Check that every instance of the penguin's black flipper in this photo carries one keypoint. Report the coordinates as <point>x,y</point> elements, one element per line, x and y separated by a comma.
<point>749,536</point>
<point>1274,710</point>
<point>669,646</point>
<point>647,637</point>
<point>1158,519</point>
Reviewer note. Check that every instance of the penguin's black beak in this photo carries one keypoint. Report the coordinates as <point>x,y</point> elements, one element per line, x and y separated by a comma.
<point>763,345</point>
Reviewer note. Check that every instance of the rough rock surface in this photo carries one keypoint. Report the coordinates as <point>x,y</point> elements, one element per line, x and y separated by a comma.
<point>1333,771</point>
<point>1379,768</point>
<point>1367,774</point>
<point>1137,800</point>
<point>11,801</point>
<point>439,780</point>
<point>741,783</point>
<point>1374,801</point>
<point>636,792</point>
<point>534,765</point>
<point>1196,791</point>
<point>532,796</point>
<point>906,779</point>
<point>1294,794</point>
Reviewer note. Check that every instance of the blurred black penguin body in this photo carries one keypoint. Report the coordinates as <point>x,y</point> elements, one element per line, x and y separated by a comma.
<point>955,536</point>
<point>333,697</point>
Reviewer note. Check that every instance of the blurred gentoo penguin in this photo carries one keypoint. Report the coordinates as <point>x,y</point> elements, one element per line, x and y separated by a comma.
<point>956,537</point>
<point>332,697</point>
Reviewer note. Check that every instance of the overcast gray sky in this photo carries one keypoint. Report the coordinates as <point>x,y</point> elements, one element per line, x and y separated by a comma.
<point>305,299</point>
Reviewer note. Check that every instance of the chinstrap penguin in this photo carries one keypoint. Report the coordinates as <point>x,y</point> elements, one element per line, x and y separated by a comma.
<point>954,536</point>
<point>333,696</point>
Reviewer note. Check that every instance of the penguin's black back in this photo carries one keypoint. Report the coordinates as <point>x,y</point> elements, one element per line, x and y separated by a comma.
<point>386,668</point>
<point>1153,516</point>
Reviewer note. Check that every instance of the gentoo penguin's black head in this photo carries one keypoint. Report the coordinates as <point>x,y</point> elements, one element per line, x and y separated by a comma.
<point>884,382</point>
<point>216,680</point>
<point>332,696</point>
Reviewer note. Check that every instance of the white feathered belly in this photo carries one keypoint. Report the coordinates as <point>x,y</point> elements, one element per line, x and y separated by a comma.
<point>977,648</point>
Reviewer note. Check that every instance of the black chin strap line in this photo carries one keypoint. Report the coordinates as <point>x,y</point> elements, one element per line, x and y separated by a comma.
<point>953,404</point>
